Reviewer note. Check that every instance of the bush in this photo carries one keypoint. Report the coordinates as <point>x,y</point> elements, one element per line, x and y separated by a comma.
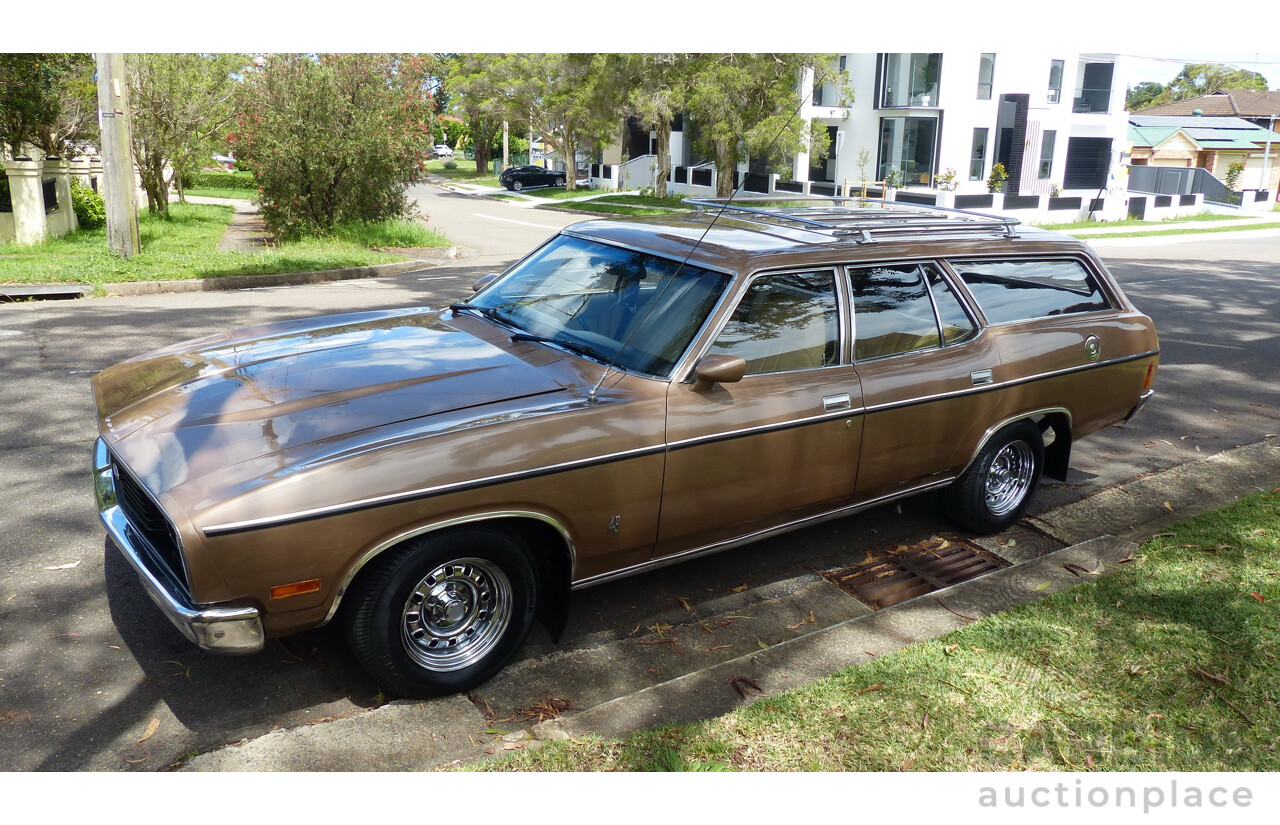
<point>333,138</point>
<point>995,181</point>
<point>223,180</point>
<point>450,164</point>
<point>90,209</point>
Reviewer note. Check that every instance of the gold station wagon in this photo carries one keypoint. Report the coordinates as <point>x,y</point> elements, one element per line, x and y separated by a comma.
<point>631,394</point>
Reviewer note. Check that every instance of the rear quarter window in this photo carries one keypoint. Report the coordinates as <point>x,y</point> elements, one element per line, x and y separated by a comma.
<point>1018,290</point>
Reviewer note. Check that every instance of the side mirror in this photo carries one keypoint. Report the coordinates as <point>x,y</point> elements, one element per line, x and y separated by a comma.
<point>718,369</point>
<point>484,282</point>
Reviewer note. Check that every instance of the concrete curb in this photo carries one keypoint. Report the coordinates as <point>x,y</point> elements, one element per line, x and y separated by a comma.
<point>426,258</point>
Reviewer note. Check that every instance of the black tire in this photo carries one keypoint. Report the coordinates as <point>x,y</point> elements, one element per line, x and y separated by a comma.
<point>482,588</point>
<point>995,490</point>
<point>560,180</point>
<point>517,185</point>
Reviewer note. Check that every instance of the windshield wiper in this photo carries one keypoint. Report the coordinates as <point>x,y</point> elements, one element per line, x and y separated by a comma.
<point>572,346</point>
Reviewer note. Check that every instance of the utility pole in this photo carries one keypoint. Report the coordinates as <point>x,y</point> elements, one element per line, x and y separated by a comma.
<point>505,154</point>
<point>119,192</point>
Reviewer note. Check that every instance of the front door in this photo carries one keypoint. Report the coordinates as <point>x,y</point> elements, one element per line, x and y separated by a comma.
<point>777,447</point>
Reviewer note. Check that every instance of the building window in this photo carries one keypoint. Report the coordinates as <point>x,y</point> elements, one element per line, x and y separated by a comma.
<point>1088,160</point>
<point>1093,87</point>
<point>909,145</point>
<point>1055,80</point>
<point>978,156</point>
<point>1046,154</point>
<point>986,75</point>
<point>909,80</point>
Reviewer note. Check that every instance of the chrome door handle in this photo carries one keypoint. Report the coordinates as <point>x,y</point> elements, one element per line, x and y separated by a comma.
<point>980,377</point>
<point>831,403</point>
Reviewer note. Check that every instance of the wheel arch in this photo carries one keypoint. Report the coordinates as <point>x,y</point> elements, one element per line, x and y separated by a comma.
<point>552,545</point>
<point>1056,454</point>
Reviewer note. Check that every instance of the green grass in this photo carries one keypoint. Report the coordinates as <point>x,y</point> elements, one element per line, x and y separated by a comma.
<point>1184,231</point>
<point>237,194</point>
<point>184,247</point>
<point>1203,216</point>
<point>637,205</point>
<point>464,173</point>
<point>1167,664</point>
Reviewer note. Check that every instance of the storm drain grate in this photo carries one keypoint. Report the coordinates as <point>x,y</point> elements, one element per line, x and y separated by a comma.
<point>903,573</point>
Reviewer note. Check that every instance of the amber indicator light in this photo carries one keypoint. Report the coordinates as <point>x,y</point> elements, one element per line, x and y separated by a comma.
<point>1151,373</point>
<point>281,591</point>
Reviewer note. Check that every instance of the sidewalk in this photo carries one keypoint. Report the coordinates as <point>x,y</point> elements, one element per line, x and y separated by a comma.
<point>1105,529</point>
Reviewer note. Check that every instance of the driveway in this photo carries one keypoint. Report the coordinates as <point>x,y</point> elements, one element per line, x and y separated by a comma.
<point>92,677</point>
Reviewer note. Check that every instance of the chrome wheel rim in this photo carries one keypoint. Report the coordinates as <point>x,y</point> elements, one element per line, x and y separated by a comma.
<point>1008,478</point>
<point>456,614</point>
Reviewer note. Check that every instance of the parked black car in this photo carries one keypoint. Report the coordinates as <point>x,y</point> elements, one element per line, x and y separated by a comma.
<point>518,177</point>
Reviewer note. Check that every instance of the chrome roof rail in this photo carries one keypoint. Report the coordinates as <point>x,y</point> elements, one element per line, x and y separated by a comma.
<point>861,222</point>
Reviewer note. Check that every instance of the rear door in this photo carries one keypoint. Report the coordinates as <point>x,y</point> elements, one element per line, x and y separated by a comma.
<point>924,363</point>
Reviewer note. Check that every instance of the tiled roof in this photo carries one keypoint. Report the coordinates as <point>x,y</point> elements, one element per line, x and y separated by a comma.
<point>1227,103</point>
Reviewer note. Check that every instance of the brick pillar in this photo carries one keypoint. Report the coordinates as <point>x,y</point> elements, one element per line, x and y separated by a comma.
<point>28,200</point>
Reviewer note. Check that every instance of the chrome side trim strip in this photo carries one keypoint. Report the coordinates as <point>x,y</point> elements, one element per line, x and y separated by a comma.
<point>218,629</point>
<point>424,492</point>
<point>729,544</point>
<point>763,428</point>
<point>374,552</point>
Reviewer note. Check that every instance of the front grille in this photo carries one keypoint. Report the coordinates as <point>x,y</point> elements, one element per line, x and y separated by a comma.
<point>148,522</point>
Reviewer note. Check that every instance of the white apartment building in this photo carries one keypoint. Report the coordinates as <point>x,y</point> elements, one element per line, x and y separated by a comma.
<point>1053,120</point>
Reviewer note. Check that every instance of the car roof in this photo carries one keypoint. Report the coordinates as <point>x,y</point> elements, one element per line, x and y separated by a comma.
<point>758,238</point>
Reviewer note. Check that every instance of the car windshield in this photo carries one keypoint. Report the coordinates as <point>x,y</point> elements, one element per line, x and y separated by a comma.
<point>624,308</point>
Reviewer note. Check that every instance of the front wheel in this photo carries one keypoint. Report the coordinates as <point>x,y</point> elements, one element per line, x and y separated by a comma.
<point>560,180</point>
<point>993,493</point>
<point>444,613</point>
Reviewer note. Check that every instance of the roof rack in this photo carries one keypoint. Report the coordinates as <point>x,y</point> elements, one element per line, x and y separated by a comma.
<point>861,222</point>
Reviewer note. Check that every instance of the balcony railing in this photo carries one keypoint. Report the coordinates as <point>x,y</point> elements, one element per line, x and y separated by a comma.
<point>1097,101</point>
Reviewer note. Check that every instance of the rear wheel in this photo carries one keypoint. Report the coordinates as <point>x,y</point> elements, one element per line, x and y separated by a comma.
<point>560,180</point>
<point>993,493</point>
<point>445,612</point>
<point>517,185</point>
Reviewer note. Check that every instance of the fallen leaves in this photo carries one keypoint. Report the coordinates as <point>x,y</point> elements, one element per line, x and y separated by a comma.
<point>67,566</point>
<point>150,732</point>
<point>803,622</point>
<point>1259,597</point>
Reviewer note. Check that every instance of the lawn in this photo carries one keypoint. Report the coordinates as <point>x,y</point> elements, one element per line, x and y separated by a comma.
<point>1168,664</point>
<point>465,172</point>
<point>184,247</point>
<point>1203,216</point>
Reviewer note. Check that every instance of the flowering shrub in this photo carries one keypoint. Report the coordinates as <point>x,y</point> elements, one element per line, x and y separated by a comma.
<point>333,137</point>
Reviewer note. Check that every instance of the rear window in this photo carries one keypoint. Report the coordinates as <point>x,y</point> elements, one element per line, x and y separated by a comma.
<point>1017,290</point>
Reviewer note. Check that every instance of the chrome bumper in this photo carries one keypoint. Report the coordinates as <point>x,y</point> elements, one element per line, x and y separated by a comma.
<point>1142,402</point>
<point>219,629</point>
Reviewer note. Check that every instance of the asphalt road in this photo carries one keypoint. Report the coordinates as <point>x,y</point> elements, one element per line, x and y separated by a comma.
<point>93,678</point>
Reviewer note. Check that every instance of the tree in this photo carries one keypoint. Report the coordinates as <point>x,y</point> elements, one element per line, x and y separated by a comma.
<point>656,92</point>
<point>180,103</point>
<point>570,98</point>
<point>1143,95</point>
<point>1195,80</point>
<point>334,137</point>
<point>480,96</point>
<point>749,104</point>
<point>47,100</point>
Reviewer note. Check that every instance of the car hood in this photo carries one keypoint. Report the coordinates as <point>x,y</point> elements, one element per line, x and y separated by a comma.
<point>207,404</point>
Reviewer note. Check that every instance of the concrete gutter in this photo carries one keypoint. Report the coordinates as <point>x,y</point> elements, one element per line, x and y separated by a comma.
<point>1103,531</point>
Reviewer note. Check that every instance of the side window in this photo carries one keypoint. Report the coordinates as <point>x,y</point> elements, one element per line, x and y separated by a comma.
<point>784,322</point>
<point>892,312</point>
<point>1017,290</point>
